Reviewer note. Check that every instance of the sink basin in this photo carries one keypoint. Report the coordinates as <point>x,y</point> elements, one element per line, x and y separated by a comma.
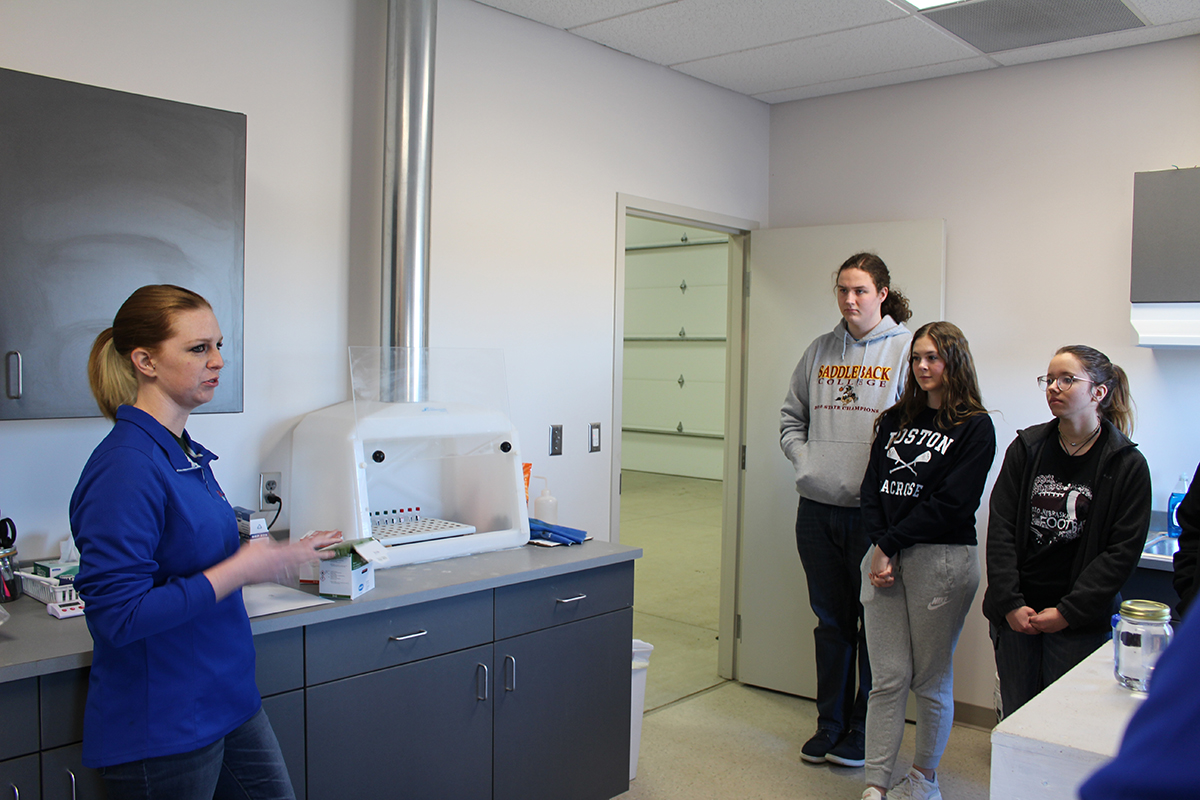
<point>1159,552</point>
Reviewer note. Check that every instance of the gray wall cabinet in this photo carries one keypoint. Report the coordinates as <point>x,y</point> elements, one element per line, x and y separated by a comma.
<point>102,192</point>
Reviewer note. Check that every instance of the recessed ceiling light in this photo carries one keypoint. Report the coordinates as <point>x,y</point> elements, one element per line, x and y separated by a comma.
<point>921,5</point>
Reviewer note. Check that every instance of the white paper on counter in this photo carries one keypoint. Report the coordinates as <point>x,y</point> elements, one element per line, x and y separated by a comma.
<point>271,598</point>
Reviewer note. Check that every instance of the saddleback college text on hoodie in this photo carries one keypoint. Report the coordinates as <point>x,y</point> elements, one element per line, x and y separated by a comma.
<point>838,388</point>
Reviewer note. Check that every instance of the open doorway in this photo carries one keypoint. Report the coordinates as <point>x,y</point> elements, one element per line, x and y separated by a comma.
<point>678,379</point>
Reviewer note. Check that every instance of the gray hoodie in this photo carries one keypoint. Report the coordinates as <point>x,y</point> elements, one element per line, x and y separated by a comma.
<point>838,389</point>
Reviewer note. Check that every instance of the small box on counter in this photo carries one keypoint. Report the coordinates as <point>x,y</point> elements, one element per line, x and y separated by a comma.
<point>352,572</point>
<point>56,569</point>
<point>250,529</point>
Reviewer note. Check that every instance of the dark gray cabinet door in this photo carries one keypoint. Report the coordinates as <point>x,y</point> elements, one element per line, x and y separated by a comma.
<point>562,711</point>
<point>286,712</point>
<point>420,731</point>
<point>65,778</point>
<point>20,778</point>
<point>101,192</point>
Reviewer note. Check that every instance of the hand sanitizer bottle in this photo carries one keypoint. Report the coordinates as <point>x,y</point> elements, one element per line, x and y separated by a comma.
<point>1181,489</point>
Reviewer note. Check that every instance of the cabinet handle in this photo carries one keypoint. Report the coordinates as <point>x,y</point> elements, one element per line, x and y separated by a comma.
<point>484,683</point>
<point>510,678</point>
<point>407,636</point>
<point>16,791</point>
<point>72,774</point>
<point>8,374</point>
<point>574,599</point>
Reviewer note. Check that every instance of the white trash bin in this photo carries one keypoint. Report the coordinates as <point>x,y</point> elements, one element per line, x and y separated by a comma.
<point>637,696</point>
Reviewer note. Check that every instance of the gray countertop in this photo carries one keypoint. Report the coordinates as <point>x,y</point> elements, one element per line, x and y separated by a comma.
<point>34,643</point>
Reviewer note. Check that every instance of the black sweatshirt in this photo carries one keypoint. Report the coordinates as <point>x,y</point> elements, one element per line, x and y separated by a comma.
<point>1113,535</point>
<point>923,484</point>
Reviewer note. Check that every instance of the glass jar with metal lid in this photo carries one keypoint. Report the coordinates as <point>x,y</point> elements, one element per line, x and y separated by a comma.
<point>1141,632</point>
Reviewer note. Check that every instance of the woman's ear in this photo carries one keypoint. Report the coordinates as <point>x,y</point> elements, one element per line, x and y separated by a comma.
<point>1099,392</point>
<point>143,362</point>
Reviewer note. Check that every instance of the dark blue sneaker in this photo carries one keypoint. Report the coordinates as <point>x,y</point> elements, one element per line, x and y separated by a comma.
<point>849,751</point>
<point>822,742</point>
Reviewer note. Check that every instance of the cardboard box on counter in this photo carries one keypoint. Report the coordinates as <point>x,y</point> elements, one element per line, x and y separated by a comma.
<point>56,568</point>
<point>352,572</point>
<point>248,528</point>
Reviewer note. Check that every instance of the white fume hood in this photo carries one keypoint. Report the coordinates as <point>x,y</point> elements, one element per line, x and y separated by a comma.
<point>430,479</point>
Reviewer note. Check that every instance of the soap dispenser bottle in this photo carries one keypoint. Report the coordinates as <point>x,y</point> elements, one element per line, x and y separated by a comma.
<point>1181,489</point>
<point>545,506</point>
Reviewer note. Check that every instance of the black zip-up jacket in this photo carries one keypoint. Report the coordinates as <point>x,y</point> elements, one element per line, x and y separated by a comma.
<point>1185,579</point>
<point>1113,535</point>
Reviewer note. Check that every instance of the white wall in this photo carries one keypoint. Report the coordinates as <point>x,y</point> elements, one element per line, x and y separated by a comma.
<point>288,68</point>
<point>535,132</point>
<point>1032,169</point>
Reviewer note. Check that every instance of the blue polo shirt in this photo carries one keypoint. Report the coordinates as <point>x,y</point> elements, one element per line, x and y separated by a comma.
<point>172,668</point>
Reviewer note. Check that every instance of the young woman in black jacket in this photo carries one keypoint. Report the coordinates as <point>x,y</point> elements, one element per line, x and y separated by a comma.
<point>1068,519</point>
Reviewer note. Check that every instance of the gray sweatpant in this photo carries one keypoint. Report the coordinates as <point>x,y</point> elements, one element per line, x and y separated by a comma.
<point>912,628</point>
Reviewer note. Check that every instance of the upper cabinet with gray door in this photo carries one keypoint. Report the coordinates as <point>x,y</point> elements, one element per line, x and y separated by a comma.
<point>102,192</point>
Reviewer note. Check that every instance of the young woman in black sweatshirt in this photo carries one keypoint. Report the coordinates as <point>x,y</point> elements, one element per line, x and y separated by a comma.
<point>924,480</point>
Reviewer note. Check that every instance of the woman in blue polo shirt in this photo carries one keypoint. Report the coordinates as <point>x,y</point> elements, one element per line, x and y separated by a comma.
<point>172,707</point>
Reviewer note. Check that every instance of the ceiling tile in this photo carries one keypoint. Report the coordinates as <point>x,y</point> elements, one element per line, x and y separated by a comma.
<point>881,79</point>
<point>689,30</point>
<point>569,13</point>
<point>1095,44</point>
<point>885,47</point>
<point>1161,12</point>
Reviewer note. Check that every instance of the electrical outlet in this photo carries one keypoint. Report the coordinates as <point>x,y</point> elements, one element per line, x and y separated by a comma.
<point>594,437</point>
<point>556,440</point>
<point>268,483</point>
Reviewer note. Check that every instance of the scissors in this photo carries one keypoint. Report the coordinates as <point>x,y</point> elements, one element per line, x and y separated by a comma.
<point>8,533</point>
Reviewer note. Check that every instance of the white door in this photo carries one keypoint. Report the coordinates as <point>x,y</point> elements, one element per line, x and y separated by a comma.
<point>791,303</point>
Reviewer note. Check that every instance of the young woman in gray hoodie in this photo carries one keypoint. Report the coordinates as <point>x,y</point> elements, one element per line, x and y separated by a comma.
<point>845,379</point>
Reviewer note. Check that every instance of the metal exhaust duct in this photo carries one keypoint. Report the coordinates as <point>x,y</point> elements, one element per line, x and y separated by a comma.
<point>407,162</point>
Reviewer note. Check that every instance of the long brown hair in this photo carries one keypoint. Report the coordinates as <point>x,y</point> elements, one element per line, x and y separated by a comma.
<point>1117,406</point>
<point>961,397</point>
<point>895,304</point>
<point>144,320</point>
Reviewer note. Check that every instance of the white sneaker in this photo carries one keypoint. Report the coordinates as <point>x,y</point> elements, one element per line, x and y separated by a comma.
<point>914,786</point>
<point>872,793</point>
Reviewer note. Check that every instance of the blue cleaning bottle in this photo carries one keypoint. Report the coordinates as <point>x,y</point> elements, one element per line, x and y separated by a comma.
<point>1181,489</point>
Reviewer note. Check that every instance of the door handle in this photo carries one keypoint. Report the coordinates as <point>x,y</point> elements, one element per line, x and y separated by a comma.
<point>8,374</point>
<point>484,683</point>
<point>510,676</point>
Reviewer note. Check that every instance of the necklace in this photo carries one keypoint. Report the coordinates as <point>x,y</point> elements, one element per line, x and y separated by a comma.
<point>1077,445</point>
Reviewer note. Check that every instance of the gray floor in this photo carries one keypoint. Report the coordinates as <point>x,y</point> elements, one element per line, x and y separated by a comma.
<point>705,737</point>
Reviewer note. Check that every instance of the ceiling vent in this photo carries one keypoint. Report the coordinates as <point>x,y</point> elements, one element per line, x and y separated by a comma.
<point>997,25</point>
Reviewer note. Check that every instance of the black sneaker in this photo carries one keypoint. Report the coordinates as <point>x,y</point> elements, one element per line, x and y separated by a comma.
<point>822,742</point>
<point>849,751</point>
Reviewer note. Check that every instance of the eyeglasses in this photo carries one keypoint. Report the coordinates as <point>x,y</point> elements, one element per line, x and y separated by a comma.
<point>1064,382</point>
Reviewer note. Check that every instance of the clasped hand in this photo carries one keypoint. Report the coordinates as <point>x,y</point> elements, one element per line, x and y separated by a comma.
<point>881,573</point>
<point>1026,620</point>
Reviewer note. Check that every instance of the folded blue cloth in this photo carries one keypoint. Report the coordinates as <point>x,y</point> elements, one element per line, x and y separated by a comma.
<point>555,533</point>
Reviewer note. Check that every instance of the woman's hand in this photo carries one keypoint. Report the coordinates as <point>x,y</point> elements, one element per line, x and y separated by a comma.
<point>1019,620</point>
<point>881,574</point>
<point>268,560</point>
<point>1048,620</point>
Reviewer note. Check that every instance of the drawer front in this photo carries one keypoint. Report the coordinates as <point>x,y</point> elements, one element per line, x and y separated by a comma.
<point>19,701</point>
<point>531,606</point>
<point>279,661</point>
<point>383,639</point>
<point>64,695</point>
